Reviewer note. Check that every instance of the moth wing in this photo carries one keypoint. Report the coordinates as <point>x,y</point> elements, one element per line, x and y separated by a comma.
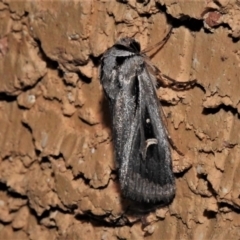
<point>125,114</point>
<point>148,176</point>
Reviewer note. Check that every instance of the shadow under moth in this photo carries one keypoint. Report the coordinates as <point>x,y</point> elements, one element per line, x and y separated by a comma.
<point>140,138</point>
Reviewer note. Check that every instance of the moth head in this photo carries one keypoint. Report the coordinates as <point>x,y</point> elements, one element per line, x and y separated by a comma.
<point>129,43</point>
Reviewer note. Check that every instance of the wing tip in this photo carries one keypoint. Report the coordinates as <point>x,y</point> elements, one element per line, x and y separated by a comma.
<point>144,191</point>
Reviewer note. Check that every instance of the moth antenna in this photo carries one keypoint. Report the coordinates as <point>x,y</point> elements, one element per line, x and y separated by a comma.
<point>158,45</point>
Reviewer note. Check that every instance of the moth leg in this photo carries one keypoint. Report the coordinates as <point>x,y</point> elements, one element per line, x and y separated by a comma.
<point>163,80</point>
<point>166,81</point>
<point>173,145</point>
<point>178,86</point>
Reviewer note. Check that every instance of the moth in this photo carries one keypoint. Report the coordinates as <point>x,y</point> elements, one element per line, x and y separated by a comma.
<point>140,138</point>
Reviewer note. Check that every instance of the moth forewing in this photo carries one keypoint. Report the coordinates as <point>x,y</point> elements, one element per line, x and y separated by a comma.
<point>140,139</point>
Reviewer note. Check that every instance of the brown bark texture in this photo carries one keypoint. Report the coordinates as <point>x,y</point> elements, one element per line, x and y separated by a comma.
<point>58,178</point>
